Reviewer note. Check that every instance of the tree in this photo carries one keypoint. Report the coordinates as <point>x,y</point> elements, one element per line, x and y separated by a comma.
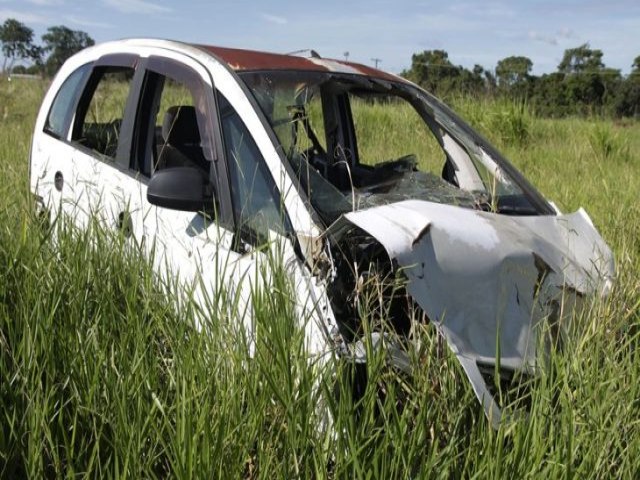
<point>581,59</point>
<point>19,70</point>
<point>549,95</point>
<point>585,74</point>
<point>627,101</point>
<point>17,43</point>
<point>490,81</point>
<point>433,70</point>
<point>62,43</point>
<point>37,55</point>
<point>635,67</point>
<point>513,70</point>
<point>470,81</point>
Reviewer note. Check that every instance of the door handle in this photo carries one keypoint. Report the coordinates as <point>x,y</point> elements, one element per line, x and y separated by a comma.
<point>58,180</point>
<point>124,223</point>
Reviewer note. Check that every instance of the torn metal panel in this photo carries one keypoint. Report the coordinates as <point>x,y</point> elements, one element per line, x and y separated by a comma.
<point>486,280</point>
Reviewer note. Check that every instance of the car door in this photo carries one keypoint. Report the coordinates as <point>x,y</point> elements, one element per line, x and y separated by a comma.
<point>101,133</point>
<point>52,169</point>
<point>106,140</point>
<point>264,230</point>
<point>221,259</point>
<point>81,162</point>
<point>177,126</point>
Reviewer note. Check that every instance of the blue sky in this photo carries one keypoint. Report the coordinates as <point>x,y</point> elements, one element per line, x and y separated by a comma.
<point>471,32</point>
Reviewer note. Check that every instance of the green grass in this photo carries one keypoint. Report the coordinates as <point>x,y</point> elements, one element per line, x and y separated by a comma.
<point>378,124</point>
<point>102,374</point>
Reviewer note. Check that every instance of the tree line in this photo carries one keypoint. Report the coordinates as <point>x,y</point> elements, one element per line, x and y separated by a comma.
<point>581,85</point>
<point>58,44</point>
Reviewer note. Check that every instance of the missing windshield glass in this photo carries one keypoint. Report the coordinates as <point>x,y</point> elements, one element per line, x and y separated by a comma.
<point>354,144</point>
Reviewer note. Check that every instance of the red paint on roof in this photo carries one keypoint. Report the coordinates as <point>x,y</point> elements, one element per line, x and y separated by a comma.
<point>244,60</point>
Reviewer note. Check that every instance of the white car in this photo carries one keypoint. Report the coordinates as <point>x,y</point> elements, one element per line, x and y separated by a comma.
<point>210,153</point>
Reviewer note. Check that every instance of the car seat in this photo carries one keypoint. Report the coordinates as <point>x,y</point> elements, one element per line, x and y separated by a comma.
<point>181,140</point>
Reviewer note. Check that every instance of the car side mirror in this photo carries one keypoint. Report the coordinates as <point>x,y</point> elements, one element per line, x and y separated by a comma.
<point>181,188</point>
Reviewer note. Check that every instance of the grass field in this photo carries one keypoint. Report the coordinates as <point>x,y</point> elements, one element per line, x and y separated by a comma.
<point>101,374</point>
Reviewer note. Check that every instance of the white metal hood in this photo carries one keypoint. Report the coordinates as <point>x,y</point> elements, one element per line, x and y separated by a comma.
<point>484,278</point>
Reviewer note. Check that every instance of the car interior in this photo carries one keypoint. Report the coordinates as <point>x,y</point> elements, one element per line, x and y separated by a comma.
<point>179,142</point>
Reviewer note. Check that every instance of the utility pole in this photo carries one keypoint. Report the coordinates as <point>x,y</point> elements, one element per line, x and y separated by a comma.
<point>376,61</point>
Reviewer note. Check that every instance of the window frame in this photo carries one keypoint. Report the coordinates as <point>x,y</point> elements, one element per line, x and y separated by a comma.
<point>337,111</point>
<point>72,106</point>
<point>148,100</point>
<point>82,105</point>
<point>156,65</point>
<point>242,229</point>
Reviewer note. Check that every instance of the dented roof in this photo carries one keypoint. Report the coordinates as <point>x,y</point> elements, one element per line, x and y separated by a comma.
<point>246,60</point>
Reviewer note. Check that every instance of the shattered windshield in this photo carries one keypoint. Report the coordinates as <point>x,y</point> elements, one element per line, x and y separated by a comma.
<point>355,142</point>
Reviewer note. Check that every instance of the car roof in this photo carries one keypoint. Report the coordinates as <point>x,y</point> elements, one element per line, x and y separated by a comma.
<point>247,60</point>
<point>240,60</point>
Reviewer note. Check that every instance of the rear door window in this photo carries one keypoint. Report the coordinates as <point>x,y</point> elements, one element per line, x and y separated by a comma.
<point>62,109</point>
<point>101,110</point>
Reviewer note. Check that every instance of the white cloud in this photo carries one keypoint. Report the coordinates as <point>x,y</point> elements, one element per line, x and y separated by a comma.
<point>274,19</point>
<point>491,10</point>
<point>137,6</point>
<point>566,32</point>
<point>87,23</point>
<point>445,22</point>
<point>46,3</point>
<point>541,37</point>
<point>23,16</point>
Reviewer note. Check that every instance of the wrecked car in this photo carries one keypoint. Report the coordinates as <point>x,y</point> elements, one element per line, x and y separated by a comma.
<point>210,154</point>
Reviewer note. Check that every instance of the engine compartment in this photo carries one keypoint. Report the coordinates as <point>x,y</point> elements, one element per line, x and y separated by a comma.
<point>368,285</point>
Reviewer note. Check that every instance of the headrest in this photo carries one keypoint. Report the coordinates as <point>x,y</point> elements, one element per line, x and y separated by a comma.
<point>180,125</point>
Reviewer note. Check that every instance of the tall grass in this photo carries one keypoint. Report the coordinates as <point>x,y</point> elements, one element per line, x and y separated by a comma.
<point>376,126</point>
<point>608,144</point>
<point>504,121</point>
<point>102,373</point>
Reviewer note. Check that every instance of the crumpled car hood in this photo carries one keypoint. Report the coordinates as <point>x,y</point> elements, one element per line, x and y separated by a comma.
<point>485,280</point>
